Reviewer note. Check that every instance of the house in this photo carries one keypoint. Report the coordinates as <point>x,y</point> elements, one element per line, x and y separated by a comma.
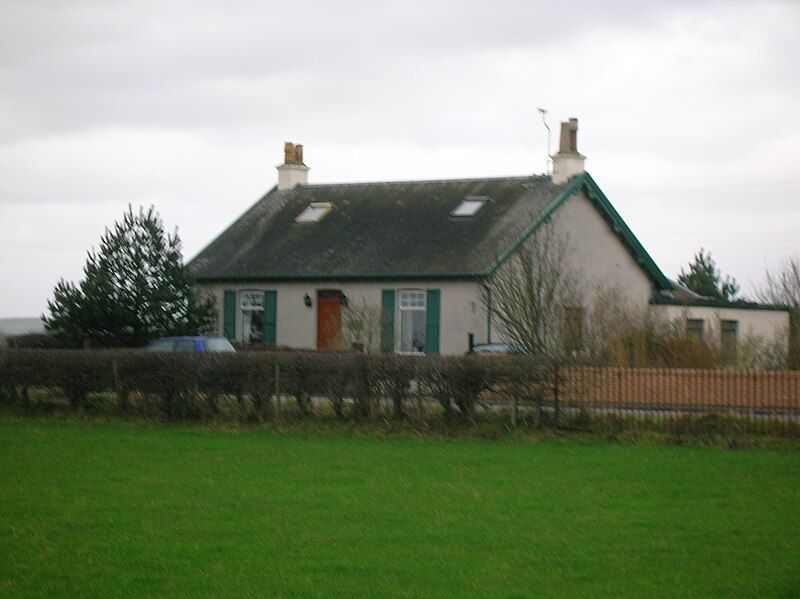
<point>411,258</point>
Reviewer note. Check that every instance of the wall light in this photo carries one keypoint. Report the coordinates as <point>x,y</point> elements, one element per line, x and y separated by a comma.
<point>307,300</point>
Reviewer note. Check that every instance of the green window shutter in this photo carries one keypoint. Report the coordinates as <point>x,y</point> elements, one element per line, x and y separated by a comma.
<point>432,316</point>
<point>270,317</point>
<point>387,320</point>
<point>229,316</point>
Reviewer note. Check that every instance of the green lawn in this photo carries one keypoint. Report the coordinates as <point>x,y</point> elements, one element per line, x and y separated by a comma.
<point>118,509</point>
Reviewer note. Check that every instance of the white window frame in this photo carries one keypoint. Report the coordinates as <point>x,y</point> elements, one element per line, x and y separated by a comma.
<point>250,307</point>
<point>469,206</point>
<point>399,318</point>
<point>313,213</point>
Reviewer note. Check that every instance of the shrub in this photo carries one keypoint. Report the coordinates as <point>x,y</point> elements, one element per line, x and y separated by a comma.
<point>35,341</point>
<point>656,344</point>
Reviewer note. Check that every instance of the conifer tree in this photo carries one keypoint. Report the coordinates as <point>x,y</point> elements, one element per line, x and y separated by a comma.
<point>705,278</point>
<point>135,289</point>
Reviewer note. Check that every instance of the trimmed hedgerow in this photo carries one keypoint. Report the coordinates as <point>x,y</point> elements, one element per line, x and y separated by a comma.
<point>188,385</point>
<point>35,341</point>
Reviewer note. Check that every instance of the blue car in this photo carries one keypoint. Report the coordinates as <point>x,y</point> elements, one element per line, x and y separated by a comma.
<point>191,344</point>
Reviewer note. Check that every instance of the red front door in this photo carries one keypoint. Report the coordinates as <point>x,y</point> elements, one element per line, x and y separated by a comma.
<point>329,322</point>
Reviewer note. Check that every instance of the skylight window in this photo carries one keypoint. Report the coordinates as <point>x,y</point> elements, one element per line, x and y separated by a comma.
<point>314,212</point>
<point>469,206</point>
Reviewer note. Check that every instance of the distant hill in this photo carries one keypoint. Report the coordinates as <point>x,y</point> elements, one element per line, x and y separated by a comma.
<point>19,326</point>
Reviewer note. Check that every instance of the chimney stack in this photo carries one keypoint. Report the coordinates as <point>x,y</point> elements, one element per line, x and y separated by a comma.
<point>568,162</point>
<point>293,171</point>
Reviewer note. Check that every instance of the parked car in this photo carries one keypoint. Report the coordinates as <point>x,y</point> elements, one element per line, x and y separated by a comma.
<point>495,348</point>
<point>191,344</point>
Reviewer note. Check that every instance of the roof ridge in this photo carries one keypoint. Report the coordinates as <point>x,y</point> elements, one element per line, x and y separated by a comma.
<point>414,181</point>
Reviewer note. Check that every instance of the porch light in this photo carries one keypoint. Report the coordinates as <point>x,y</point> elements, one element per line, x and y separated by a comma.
<point>307,300</point>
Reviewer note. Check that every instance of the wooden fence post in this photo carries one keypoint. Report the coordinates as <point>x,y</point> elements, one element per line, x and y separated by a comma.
<point>277,393</point>
<point>556,406</point>
<point>514,410</point>
<point>122,395</point>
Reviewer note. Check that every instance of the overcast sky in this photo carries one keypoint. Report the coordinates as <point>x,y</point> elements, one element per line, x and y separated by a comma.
<point>689,114</point>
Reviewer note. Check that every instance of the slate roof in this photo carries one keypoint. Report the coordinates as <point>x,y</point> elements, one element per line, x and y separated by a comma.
<point>680,295</point>
<point>377,230</point>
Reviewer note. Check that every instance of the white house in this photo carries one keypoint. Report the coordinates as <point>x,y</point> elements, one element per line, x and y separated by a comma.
<point>417,254</point>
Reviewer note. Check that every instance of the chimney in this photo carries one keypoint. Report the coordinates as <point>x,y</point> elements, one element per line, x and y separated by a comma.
<point>568,162</point>
<point>293,171</point>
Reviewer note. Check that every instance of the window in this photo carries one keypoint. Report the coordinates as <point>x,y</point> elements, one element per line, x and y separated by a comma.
<point>218,345</point>
<point>573,329</point>
<point>411,310</point>
<point>314,212</point>
<point>252,311</point>
<point>184,345</point>
<point>694,328</point>
<point>728,332</point>
<point>469,206</point>
<point>167,345</point>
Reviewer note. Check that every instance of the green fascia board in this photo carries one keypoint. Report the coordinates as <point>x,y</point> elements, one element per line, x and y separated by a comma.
<point>585,182</point>
<point>637,249</point>
<point>544,216</point>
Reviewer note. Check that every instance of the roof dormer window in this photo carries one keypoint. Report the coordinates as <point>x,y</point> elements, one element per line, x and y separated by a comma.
<point>314,212</point>
<point>469,206</point>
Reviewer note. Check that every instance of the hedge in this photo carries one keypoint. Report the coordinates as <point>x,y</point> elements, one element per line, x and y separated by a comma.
<point>190,384</point>
<point>35,341</point>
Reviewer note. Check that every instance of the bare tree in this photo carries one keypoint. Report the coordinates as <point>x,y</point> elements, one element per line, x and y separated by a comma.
<point>783,288</point>
<point>610,318</point>
<point>528,294</point>
<point>361,326</point>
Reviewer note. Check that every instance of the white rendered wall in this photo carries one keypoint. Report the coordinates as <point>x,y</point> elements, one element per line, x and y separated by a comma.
<point>596,254</point>
<point>753,323</point>
<point>460,309</point>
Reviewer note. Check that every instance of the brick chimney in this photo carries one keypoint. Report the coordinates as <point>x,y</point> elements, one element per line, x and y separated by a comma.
<point>293,171</point>
<point>568,162</point>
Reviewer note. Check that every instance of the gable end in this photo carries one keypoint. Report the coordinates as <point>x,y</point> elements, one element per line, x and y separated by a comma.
<point>599,200</point>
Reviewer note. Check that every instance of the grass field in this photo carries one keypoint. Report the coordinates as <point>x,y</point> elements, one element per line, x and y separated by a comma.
<point>121,509</point>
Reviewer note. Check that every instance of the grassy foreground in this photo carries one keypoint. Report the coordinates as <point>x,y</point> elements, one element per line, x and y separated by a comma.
<point>116,509</point>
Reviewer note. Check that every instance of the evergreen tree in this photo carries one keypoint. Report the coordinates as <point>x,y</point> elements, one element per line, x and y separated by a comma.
<point>135,289</point>
<point>705,278</point>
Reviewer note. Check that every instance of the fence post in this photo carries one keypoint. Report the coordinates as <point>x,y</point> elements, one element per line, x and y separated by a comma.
<point>122,397</point>
<point>277,392</point>
<point>556,406</point>
<point>514,410</point>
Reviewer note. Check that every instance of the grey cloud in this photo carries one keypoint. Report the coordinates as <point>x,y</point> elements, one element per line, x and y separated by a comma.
<point>67,66</point>
<point>185,105</point>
